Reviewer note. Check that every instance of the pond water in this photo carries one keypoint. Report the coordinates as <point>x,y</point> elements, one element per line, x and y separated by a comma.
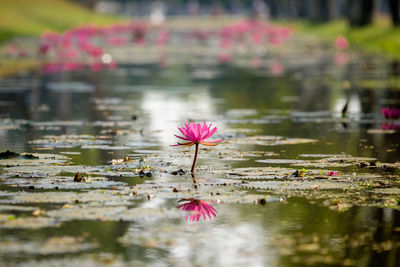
<point>296,181</point>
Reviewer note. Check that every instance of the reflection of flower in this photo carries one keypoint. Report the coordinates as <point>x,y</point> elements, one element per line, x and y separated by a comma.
<point>277,68</point>
<point>390,113</point>
<point>197,208</point>
<point>341,58</point>
<point>392,126</point>
<point>195,134</point>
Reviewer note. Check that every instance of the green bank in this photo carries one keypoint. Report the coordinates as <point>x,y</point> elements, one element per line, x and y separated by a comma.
<point>379,37</point>
<point>32,17</point>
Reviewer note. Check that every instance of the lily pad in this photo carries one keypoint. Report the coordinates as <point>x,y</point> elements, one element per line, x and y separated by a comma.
<point>15,208</point>
<point>270,140</point>
<point>116,213</point>
<point>62,182</point>
<point>107,197</point>
<point>71,141</point>
<point>29,223</point>
<point>37,160</point>
<point>298,185</point>
<point>50,246</point>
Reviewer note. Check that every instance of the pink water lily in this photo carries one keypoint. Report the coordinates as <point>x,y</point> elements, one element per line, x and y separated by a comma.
<point>197,209</point>
<point>341,43</point>
<point>390,113</point>
<point>195,134</point>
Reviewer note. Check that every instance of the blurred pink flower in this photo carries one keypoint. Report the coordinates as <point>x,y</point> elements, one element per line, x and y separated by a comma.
<point>256,37</point>
<point>116,41</point>
<point>390,113</point>
<point>333,173</point>
<point>277,68</point>
<point>43,49</point>
<point>139,33</point>
<point>341,43</point>
<point>12,50</point>
<point>392,126</point>
<point>224,57</point>
<point>112,65</point>
<point>225,43</point>
<point>96,66</point>
<point>275,41</point>
<point>197,209</point>
<point>70,66</point>
<point>51,67</point>
<point>162,38</point>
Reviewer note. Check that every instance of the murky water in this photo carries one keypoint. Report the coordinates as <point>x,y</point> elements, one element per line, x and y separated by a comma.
<point>133,111</point>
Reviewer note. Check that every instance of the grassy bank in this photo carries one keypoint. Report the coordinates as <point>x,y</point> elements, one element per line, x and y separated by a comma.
<point>380,37</point>
<point>32,17</point>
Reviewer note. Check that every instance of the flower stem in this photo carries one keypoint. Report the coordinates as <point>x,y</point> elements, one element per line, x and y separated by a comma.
<point>194,181</point>
<point>195,157</point>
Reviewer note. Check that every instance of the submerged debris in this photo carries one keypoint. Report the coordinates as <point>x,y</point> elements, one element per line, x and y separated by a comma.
<point>79,178</point>
<point>180,172</point>
<point>9,154</point>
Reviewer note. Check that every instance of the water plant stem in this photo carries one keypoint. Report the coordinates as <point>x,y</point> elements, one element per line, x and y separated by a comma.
<point>195,157</point>
<point>194,181</point>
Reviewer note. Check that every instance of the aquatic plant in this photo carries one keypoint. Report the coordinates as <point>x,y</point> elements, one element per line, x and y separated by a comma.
<point>390,113</point>
<point>391,126</point>
<point>197,208</point>
<point>195,134</point>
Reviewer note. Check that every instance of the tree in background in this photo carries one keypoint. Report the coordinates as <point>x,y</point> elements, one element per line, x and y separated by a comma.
<point>394,11</point>
<point>359,12</point>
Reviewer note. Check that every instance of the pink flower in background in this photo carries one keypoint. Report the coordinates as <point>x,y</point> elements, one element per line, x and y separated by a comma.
<point>70,66</point>
<point>112,65</point>
<point>96,66</point>
<point>277,68</point>
<point>224,57</point>
<point>195,134</point>
<point>43,49</point>
<point>390,113</point>
<point>225,43</point>
<point>67,54</point>
<point>197,209</point>
<point>341,43</point>
<point>333,173</point>
<point>12,50</point>
<point>392,126</point>
<point>162,38</point>
<point>51,67</point>
<point>139,33</point>
<point>95,51</point>
<point>116,41</point>
<point>256,37</point>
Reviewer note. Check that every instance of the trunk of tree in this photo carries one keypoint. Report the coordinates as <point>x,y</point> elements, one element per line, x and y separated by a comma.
<point>395,11</point>
<point>360,12</point>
